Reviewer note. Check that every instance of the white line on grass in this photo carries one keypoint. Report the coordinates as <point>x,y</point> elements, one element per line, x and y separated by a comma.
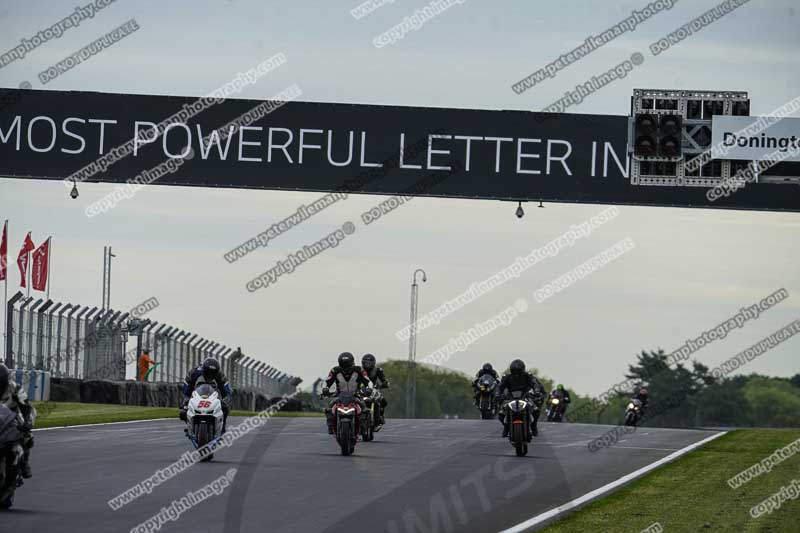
<point>105,424</point>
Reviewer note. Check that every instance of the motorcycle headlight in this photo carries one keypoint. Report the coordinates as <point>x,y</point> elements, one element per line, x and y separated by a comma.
<point>483,387</point>
<point>631,406</point>
<point>555,401</point>
<point>346,410</point>
<point>517,405</point>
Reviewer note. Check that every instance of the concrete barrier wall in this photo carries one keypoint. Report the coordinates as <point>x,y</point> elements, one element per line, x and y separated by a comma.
<point>151,394</point>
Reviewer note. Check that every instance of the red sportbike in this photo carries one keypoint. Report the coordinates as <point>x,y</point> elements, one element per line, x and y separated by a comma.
<point>346,422</point>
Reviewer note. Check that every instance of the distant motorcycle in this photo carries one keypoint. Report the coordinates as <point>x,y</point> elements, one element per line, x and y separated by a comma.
<point>633,413</point>
<point>486,392</point>
<point>371,421</point>
<point>11,453</point>
<point>556,408</point>
<point>204,417</point>
<point>346,422</point>
<point>518,414</point>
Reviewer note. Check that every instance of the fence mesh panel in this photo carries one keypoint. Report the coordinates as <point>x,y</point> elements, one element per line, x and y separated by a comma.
<point>73,341</point>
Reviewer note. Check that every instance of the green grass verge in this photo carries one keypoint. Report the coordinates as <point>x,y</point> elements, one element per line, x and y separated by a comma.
<point>61,414</point>
<point>692,493</point>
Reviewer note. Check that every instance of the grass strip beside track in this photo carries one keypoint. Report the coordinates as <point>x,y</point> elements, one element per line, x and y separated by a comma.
<point>63,414</point>
<point>692,494</point>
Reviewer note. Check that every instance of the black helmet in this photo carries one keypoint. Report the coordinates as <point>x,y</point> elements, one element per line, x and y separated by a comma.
<point>368,361</point>
<point>210,368</point>
<point>487,367</point>
<point>346,360</point>
<point>3,379</point>
<point>517,366</point>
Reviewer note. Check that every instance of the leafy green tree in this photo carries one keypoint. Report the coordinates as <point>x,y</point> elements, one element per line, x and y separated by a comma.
<point>440,391</point>
<point>724,404</point>
<point>774,402</point>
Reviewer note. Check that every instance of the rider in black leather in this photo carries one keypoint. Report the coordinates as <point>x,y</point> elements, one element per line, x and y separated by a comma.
<point>561,392</point>
<point>485,369</point>
<point>377,377</point>
<point>209,372</point>
<point>642,396</point>
<point>520,380</point>
<point>348,378</point>
<point>16,400</point>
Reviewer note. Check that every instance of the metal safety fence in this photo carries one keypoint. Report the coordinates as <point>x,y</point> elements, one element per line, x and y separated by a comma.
<point>83,342</point>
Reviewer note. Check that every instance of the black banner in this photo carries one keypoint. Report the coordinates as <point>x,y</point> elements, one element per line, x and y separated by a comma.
<point>292,145</point>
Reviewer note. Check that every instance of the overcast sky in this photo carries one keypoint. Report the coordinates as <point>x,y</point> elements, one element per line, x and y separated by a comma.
<point>689,271</point>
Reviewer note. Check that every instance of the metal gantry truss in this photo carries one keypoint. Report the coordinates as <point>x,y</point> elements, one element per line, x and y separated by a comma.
<point>696,107</point>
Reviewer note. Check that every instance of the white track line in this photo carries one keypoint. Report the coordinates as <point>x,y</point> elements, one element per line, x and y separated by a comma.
<point>538,519</point>
<point>104,424</point>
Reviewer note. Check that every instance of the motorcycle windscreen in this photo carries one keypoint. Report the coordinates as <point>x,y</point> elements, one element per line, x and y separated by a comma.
<point>205,390</point>
<point>347,398</point>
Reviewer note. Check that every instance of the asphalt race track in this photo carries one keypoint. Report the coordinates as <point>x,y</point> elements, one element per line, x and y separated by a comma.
<point>418,475</point>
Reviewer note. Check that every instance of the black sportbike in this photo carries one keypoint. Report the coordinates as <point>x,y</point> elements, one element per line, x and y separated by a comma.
<point>633,413</point>
<point>518,415</point>
<point>556,408</point>
<point>11,454</point>
<point>486,396</point>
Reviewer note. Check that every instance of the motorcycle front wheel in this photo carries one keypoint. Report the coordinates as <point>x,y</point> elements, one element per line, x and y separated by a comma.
<point>346,438</point>
<point>367,428</point>
<point>203,436</point>
<point>518,439</point>
<point>9,483</point>
<point>486,410</point>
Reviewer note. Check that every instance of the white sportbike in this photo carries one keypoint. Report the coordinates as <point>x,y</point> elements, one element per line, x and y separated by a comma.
<point>204,417</point>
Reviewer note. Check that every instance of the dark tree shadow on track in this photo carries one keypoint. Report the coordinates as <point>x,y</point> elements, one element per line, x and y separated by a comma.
<point>266,435</point>
<point>466,491</point>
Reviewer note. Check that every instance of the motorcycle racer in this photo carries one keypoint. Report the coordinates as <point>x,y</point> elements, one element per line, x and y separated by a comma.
<point>519,380</point>
<point>348,378</point>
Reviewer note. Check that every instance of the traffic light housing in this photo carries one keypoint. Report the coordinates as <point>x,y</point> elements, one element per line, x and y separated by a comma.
<point>669,135</point>
<point>658,135</point>
<point>645,129</point>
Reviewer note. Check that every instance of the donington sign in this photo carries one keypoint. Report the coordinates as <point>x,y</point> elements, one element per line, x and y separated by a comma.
<point>756,138</point>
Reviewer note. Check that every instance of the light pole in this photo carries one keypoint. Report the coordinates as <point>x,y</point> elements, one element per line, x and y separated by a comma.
<point>107,255</point>
<point>411,390</point>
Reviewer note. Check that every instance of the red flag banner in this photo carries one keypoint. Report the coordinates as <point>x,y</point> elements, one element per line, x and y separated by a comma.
<point>22,258</point>
<point>39,273</point>
<point>4,253</point>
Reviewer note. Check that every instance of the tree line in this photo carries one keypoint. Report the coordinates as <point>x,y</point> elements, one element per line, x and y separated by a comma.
<point>680,396</point>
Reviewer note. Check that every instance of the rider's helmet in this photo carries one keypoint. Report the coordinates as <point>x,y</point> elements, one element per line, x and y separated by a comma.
<point>346,361</point>
<point>367,362</point>
<point>517,366</point>
<point>210,368</point>
<point>487,367</point>
<point>560,387</point>
<point>3,379</point>
<point>643,392</point>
